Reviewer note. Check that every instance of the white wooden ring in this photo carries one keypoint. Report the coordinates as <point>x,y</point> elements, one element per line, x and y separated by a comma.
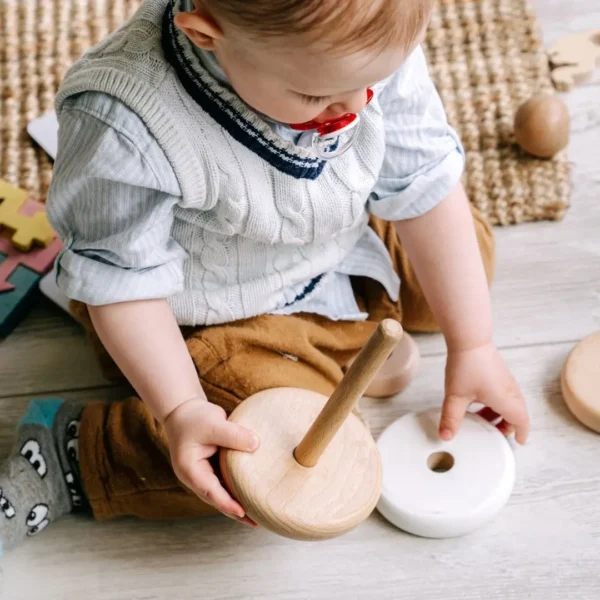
<point>438,489</point>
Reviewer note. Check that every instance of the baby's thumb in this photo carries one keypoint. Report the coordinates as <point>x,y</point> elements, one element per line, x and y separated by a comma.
<point>453,412</point>
<point>234,436</point>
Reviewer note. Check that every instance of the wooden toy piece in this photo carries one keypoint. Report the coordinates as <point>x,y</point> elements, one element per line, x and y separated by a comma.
<point>542,126</point>
<point>25,218</point>
<point>325,483</point>
<point>15,303</point>
<point>438,489</point>
<point>573,59</point>
<point>398,370</point>
<point>580,381</point>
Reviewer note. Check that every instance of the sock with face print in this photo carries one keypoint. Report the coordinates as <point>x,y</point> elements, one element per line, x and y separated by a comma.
<point>39,482</point>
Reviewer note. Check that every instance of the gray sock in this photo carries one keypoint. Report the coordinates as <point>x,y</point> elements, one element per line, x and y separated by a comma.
<point>33,483</point>
<point>66,437</point>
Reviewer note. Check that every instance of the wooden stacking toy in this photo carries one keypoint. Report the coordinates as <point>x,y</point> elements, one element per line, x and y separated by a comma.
<point>580,381</point>
<point>438,489</point>
<point>317,472</point>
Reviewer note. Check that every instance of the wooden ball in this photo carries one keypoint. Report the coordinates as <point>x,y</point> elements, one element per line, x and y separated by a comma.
<point>302,503</point>
<point>542,126</point>
<point>580,381</point>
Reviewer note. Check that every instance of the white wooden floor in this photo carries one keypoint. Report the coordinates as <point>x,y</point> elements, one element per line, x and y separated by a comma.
<point>545,545</point>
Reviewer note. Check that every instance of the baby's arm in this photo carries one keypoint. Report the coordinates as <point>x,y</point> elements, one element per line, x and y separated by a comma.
<point>112,201</point>
<point>443,250</point>
<point>146,343</point>
<point>419,188</point>
<point>144,340</point>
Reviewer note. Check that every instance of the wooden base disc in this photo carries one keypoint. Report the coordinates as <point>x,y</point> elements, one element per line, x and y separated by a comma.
<point>297,502</point>
<point>580,381</point>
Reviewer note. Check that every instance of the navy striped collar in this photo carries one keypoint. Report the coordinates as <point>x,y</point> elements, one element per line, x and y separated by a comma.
<point>229,111</point>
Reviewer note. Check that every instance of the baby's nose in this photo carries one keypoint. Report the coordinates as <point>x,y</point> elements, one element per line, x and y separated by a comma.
<point>351,104</point>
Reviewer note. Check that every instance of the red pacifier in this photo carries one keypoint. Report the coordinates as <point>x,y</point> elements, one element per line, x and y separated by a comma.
<point>325,139</point>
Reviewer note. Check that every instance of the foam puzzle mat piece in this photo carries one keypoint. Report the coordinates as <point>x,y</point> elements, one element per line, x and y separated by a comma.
<point>25,218</point>
<point>14,304</point>
<point>39,260</point>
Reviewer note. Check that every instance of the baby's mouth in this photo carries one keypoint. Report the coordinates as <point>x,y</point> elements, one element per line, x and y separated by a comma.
<point>327,127</point>
<point>332,125</point>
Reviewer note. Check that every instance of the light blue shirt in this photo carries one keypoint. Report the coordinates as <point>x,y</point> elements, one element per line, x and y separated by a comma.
<point>112,169</point>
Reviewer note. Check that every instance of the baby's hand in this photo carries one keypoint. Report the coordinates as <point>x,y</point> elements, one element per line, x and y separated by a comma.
<point>195,430</point>
<point>480,375</point>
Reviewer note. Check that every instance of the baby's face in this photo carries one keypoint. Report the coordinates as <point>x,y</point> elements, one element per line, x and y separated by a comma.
<point>291,84</point>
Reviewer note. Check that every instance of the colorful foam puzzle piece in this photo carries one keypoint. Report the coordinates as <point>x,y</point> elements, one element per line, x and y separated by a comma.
<point>15,303</point>
<point>39,260</point>
<point>23,223</point>
<point>25,218</point>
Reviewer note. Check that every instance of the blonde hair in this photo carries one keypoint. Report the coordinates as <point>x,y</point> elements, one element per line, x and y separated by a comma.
<point>339,24</point>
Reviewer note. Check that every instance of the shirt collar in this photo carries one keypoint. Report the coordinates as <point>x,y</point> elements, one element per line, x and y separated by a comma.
<point>222,104</point>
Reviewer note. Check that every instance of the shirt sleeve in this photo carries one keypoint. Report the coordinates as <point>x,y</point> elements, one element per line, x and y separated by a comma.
<point>111,201</point>
<point>424,158</point>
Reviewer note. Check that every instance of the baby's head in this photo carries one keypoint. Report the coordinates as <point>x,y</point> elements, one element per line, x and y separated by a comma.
<point>298,60</point>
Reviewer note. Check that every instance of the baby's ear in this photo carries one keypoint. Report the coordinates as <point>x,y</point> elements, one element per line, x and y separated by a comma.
<point>199,27</point>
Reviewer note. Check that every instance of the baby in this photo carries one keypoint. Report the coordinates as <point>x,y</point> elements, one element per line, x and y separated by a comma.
<point>244,189</point>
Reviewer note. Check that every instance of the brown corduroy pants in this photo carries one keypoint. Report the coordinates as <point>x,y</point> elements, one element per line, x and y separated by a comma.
<point>123,451</point>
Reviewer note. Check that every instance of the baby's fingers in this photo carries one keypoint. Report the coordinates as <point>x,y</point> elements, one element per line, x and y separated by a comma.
<point>453,412</point>
<point>231,435</point>
<point>514,413</point>
<point>202,480</point>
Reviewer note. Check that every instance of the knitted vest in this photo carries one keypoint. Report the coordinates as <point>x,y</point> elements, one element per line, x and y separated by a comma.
<point>259,216</point>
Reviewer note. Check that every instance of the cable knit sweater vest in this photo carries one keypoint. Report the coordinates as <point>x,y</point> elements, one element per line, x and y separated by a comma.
<point>259,216</point>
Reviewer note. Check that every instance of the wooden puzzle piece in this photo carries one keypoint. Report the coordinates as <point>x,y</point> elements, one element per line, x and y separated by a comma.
<point>39,260</point>
<point>573,59</point>
<point>25,218</point>
<point>15,303</point>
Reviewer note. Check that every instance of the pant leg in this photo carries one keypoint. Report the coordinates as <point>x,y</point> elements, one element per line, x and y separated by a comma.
<point>124,455</point>
<point>125,465</point>
<point>412,310</point>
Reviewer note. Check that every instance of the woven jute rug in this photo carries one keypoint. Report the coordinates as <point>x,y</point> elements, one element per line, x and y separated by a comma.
<point>485,56</point>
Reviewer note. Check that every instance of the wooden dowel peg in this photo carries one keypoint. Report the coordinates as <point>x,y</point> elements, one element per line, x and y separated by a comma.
<point>352,387</point>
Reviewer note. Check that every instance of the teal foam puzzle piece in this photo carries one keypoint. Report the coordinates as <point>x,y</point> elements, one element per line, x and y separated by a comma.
<point>42,411</point>
<point>15,303</point>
